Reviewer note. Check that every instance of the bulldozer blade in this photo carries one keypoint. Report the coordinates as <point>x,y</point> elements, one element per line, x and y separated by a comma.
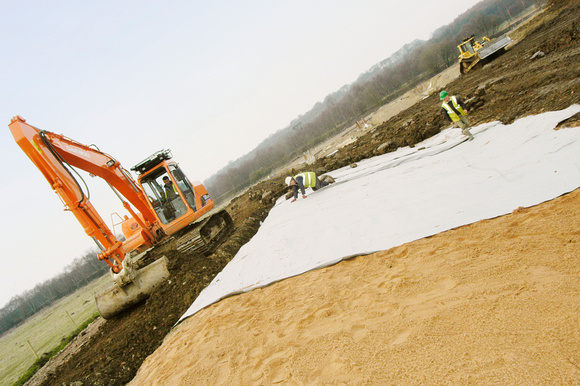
<point>116,299</point>
<point>491,49</point>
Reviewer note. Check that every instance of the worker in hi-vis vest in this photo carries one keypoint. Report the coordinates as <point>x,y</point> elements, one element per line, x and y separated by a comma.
<point>456,112</point>
<point>169,193</point>
<point>170,190</point>
<point>307,180</point>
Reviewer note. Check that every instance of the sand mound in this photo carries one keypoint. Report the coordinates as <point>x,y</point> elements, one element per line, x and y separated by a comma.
<point>494,302</point>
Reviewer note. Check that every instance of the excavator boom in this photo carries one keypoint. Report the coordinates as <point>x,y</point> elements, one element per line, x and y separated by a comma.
<point>54,155</point>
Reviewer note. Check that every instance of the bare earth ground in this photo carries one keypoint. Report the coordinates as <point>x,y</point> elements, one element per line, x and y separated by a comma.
<point>492,302</point>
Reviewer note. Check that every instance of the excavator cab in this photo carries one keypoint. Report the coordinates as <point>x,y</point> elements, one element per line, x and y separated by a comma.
<point>166,194</point>
<point>175,200</point>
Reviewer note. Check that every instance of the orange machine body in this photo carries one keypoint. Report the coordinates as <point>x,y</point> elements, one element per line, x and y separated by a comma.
<point>153,215</point>
<point>191,200</point>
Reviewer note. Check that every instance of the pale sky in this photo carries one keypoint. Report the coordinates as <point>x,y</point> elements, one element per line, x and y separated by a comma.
<point>209,80</point>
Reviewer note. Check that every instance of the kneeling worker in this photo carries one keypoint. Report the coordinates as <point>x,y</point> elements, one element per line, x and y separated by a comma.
<point>456,112</point>
<point>307,180</point>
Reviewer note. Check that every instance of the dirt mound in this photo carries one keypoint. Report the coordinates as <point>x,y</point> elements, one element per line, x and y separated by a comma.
<point>517,84</point>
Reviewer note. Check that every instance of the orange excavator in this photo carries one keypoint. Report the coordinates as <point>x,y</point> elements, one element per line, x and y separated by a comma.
<point>162,203</point>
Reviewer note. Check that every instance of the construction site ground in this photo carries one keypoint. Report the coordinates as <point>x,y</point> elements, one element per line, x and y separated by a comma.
<point>517,84</point>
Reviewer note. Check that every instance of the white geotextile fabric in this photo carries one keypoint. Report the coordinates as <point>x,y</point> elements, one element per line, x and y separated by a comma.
<point>441,183</point>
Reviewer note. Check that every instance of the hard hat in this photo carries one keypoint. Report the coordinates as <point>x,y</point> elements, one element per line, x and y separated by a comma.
<point>443,94</point>
<point>287,180</point>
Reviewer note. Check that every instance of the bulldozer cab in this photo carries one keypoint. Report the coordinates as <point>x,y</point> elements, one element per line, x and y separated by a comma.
<point>469,47</point>
<point>466,48</point>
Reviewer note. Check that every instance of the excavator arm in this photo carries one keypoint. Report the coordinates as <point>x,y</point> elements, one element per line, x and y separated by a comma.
<point>54,154</point>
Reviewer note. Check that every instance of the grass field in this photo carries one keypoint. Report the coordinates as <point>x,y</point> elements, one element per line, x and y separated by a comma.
<point>45,331</point>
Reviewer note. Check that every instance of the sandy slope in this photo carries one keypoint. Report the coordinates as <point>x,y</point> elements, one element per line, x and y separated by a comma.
<point>495,302</point>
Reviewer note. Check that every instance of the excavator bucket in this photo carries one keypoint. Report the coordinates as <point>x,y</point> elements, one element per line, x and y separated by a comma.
<point>118,298</point>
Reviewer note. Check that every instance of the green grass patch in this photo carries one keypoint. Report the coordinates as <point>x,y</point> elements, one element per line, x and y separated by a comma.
<point>46,331</point>
<point>46,356</point>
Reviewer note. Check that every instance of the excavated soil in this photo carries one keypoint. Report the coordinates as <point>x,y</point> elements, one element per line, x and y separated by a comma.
<point>516,323</point>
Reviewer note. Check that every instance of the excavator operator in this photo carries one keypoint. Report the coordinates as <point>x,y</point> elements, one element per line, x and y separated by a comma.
<point>170,190</point>
<point>170,193</point>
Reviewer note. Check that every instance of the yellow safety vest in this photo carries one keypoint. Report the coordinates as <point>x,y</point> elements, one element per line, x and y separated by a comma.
<point>174,189</point>
<point>309,179</point>
<point>454,117</point>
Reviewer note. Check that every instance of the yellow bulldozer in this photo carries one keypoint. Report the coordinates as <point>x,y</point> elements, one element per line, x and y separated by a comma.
<point>474,53</point>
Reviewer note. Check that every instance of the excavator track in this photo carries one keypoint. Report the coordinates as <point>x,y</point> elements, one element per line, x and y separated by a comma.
<point>206,236</point>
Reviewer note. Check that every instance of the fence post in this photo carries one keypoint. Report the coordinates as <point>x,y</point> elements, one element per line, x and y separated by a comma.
<point>34,352</point>
<point>71,319</point>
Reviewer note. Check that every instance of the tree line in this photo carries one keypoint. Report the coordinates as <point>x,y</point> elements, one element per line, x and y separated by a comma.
<point>384,82</point>
<point>76,275</point>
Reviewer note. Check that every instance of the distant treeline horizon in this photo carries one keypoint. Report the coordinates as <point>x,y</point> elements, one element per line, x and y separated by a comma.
<point>76,275</point>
